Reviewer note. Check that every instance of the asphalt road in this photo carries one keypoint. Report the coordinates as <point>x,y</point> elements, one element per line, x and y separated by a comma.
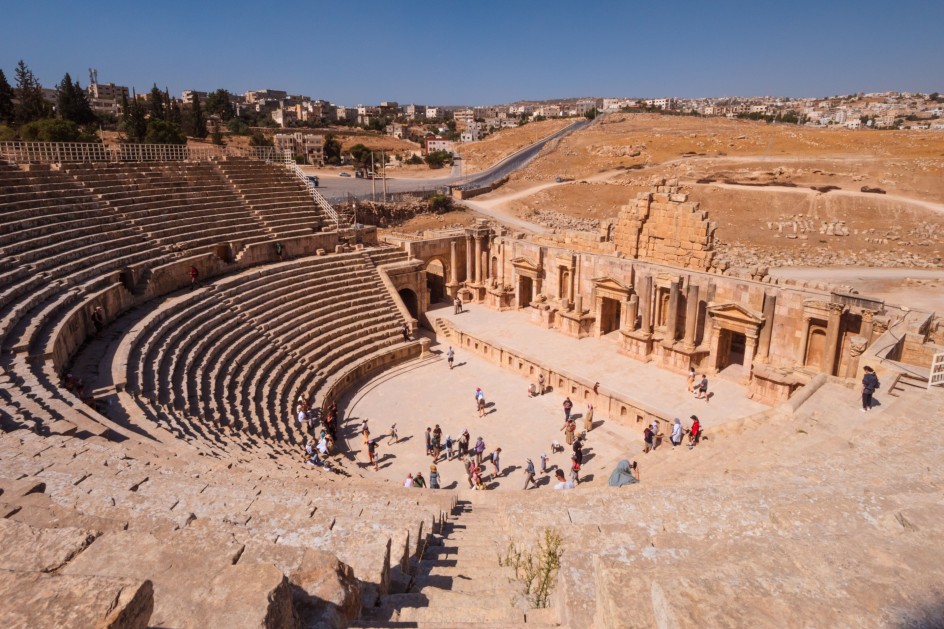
<point>338,188</point>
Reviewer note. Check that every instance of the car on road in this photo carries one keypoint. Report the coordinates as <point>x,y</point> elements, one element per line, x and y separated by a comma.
<point>344,174</point>
<point>313,179</point>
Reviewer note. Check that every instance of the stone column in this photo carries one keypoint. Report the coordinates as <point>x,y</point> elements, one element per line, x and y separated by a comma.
<point>766,332</point>
<point>750,348</point>
<point>485,264</point>
<point>478,259</point>
<point>453,261</point>
<point>691,317</point>
<point>572,296</point>
<point>632,312</point>
<point>832,338</point>
<point>468,258</point>
<point>646,298</point>
<point>857,345</point>
<point>804,341</point>
<point>671,318</point>
<point>868,325</point>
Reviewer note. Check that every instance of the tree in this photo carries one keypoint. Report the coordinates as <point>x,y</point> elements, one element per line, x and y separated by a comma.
<point>51,130</point>
<point>438,159</point>
<point>72,102</point>
<point>133,120</point>
<point>331,150</point>
<point>173,111</point>
<point>590,115</point>
<point>197,121</point>
<point>258,139</point>
<point>237,126</point>
<point>29,94</point>
<point>220,103</point>
<point>156,108</point>
<point>163,132</point>
<point>7,111</point>
<point>360,154</point>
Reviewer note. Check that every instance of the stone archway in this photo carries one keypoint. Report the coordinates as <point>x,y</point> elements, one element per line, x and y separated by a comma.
<point>410,301</point>
<point>734,333</point>
<point>436,274</point>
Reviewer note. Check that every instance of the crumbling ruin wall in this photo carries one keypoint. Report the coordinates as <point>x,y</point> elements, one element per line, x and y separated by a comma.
<point>663,226</point>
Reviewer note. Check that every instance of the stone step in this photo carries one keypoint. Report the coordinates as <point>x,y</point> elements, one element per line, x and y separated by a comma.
<point>484,612</point>
<point>462,583</point>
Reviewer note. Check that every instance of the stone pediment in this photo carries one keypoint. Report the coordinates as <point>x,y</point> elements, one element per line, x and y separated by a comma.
<point>611,285</point>
<point>736,312</point>
<point>525,264</point>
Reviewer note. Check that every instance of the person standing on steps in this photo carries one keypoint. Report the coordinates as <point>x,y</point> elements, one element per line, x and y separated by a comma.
<point>433,477</point>
<point>419,481</point>
<point>98,319</point>
<point>450,357</point>
<point>869,385</point>
<point>194,276</point>
<point>406,331</point>
<point>408,482</point>
<point>529,474</point>
<point>694,434</point>
<point>676,433</point>
<point>568,405</point>
<point>279,250</point>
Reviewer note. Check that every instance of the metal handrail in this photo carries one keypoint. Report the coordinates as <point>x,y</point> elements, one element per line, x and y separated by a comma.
<point>320,201</point>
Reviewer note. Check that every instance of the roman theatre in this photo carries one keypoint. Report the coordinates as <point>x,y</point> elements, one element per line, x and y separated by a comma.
<point>164,309</point>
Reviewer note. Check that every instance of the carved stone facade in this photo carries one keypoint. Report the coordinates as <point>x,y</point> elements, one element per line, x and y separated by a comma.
<point>663,226</point>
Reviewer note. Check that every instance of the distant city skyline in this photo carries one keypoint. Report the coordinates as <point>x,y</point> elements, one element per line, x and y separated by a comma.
<point>485,52</point>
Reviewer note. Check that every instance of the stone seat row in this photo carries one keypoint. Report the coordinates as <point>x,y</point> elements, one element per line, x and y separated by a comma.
<point>180,532</point>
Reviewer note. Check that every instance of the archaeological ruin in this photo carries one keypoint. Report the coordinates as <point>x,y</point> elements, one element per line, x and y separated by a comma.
<point>163,313</point>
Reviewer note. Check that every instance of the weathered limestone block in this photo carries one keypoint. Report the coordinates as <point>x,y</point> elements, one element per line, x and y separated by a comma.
<point>36,599</point>
<point>23,547</point>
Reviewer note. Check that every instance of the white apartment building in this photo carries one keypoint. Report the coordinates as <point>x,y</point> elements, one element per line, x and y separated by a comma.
<point>440,144</point>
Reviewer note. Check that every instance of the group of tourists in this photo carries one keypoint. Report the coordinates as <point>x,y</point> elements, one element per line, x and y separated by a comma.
<point>653,435</point>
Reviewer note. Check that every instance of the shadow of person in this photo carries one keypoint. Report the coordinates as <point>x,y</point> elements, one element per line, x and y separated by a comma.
<point>596,424</point>
<point>462,364</point>
<point>508,470</point>
<point>576,415</point>
<point>586,478</point>
<point>490,405</point>
<point>541,482</point>
<point>453,485</point>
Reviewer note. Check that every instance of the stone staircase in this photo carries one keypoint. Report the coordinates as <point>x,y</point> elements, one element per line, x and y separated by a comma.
<point>459,582</point>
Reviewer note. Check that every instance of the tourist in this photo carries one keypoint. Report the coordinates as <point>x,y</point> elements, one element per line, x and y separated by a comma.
<point>429,441</point>
<point>433,477</point>
<point>98,319</point>
<point>569,428</point>
<point>323,444</point>
<point>458,305</point>
<point>479,450</point>
<point>529,474</point>
<point>409,481</point>
<point>449,443</point>
<point>450,357</point>
<point>477,481</point>
<point>694,433</point>
<point>690,384</point>
<point>372,454</point>
<point>869,384</point>
<point>419,481</point>
<point>301,417</point>
<point>544,463</point>
<point>562,483</point>
<point>701,391</point>
<point>541,386</point>
<point>365,433</point>
<point>279,250</point>
<point>469,469</point>
<point>495,461</point>
<point>194,274</point>
<point>480,402</point>
<point>464,439</point>
<point>588,418</point>
<point>435,443</point>
<point>626,473</point>
<point>648,436</point>
<point>656,434</point>
<point>532,390</point>
<point>394,437</point>
<point>575,468</point>
<point>406,331</point>
<point>568,405</point>
<point>677,432</point>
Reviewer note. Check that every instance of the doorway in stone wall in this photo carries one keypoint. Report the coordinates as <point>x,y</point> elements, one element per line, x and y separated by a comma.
<point>610,313</point>
<point>732,348</point>
<point>436,281</point>
<point>525,290</point>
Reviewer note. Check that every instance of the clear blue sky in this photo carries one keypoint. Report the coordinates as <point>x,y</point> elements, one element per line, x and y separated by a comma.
<point>451,52</point>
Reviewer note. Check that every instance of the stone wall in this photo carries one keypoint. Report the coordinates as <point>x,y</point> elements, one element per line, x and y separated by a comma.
<point>663,226</point>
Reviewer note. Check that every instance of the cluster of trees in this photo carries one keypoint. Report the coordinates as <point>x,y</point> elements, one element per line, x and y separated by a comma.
<point>25,112</point>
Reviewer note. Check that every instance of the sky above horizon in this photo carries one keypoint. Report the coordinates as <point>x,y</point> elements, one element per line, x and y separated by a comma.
<point>484,52</point>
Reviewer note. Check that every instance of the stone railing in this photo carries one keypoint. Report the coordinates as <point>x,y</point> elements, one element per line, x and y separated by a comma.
<point>59,152</point>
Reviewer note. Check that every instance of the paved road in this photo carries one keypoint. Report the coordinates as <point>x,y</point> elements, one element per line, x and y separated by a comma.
<point>338,188</point>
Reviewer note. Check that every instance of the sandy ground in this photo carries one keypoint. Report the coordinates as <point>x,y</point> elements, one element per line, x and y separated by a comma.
<point>483,154</point>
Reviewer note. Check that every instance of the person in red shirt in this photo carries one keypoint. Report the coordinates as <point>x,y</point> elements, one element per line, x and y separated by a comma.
<point>695,433</point>
<point>194,274</point>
